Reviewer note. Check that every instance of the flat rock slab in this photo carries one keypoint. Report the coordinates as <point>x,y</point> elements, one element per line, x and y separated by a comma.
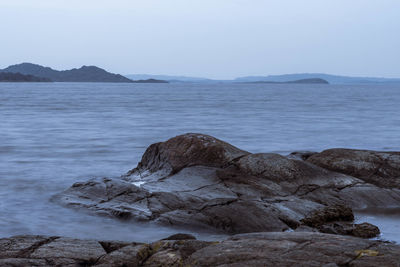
<point>256,249</point>
<point>379,168</point>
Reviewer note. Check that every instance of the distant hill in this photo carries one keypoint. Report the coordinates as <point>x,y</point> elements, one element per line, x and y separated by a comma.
<point>310,81</point>
<point>83,74</point>
<point>18,77</point>
<point>96,74</point>
<point>168,78</point>
<point>285,78</point>
<point>332,79</point>
<point>150,81</point>
<point>302,81</point>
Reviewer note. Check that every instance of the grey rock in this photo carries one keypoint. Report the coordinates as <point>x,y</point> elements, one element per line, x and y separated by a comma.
<point>301,155</point>
<point>255,249</point>
<point>130,255</point>
<point>186,150</point>
<point>379,168</point>
<point>198,181</point>
<point>329,214</point>
<point>296,249</point>
<point>338,219</point>
<point>181,236</point>
<point>305,228</point>
<point>365,230</point>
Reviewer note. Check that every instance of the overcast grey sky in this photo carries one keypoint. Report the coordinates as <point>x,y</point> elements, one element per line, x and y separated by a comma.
<point>209,38</point>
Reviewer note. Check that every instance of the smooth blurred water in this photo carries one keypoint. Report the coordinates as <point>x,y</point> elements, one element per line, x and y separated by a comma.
<point>387,219</point>
<point>54,134</point>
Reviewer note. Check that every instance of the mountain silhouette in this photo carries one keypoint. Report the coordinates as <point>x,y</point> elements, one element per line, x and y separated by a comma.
<point>83,74</point>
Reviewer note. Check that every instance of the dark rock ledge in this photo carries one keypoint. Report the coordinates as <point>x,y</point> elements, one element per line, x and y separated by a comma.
<point>198,181</point>
<point>257,249</point>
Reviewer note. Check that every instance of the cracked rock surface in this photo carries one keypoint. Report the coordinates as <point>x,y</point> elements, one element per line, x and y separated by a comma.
<point>379,168</point>
<point>198,181</point>
<point>257,249</point>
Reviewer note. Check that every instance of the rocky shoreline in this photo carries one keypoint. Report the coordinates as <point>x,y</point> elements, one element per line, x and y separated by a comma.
<point>279,210</point>
<point>255,249</point>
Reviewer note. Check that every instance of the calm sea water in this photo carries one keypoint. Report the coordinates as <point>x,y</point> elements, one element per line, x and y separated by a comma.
<point>52,135</point>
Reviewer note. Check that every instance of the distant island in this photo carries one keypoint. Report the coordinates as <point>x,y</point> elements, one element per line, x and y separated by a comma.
<point>301,81</point>
<point>18,77</point>
<point>284,78</point>
<point>38,73</point>
<point>83,74</point>
<point>150,81</point>
<point>331,79</point>
<point>169,78</point>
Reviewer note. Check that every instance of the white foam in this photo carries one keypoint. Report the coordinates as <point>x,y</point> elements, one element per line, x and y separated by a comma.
<point>138,183</point>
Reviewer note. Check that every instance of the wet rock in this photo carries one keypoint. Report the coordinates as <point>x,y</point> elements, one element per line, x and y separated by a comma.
<point>336,228</point>
<point>48,251</point>
<point>63,250</point>
<point>329,214</point>
<point>198,181</point>
<point>365,230</point>
<point>305,228</point>
<point>129,255</point>
<point>301,155</point>
<point>338,219</point>
<point>379,168</point>
<point>173,253</point>
<point>184,151</point>
<point>21,246</point>
<point>112,246</point>
<point>295,249</point>
<point>255,249</point>
<point>278,168</point>
<point>23,262</point>
<point>181,237</point>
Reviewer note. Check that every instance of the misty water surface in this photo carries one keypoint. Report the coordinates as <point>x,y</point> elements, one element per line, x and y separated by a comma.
<point>55,134</point>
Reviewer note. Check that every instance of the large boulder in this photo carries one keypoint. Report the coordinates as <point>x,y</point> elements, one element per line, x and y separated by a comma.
<point>198,181</point>
<point>186,150</point>
<point>256,249</point>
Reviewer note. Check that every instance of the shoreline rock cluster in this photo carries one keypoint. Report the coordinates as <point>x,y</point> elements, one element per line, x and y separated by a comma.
<point>255,249</point>
<point>198,181</point>
<point>279,210</point>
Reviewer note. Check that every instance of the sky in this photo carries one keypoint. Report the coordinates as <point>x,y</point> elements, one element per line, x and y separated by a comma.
<point>219,39</point>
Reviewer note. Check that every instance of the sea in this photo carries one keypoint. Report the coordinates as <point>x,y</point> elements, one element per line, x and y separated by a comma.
<point>55,134</point>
